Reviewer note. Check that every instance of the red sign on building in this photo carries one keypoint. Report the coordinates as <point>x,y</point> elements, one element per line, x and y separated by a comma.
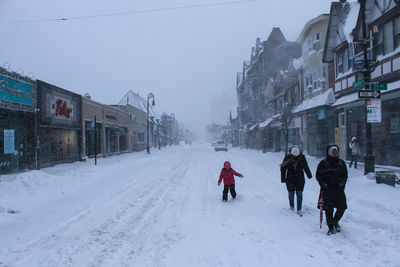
<point>62,109</point>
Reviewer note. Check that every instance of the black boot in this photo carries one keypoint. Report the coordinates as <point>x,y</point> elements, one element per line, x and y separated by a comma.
<point>331,230</point>
<point>337,228</point>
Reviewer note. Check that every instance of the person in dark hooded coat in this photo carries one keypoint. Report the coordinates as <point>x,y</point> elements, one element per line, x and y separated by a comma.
<point>292,173</point>
<point>332,177</point>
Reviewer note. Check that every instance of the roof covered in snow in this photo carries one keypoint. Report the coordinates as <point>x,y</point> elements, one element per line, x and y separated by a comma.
<point>335,35</point>
<point>309,25</point>
<point>135,100</point>
<point>351,21</point>
<point>324,99</point>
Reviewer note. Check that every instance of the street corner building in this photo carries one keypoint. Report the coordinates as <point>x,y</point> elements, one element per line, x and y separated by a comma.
<point>59,125</point>
<point>17,122</point>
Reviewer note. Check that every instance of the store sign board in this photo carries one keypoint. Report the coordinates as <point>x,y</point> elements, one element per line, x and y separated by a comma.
<point>321,114</point>
<point>15,90</point>
<point>9,141</point>
<point>374,110</point>
<point>61,108</point>
<point>58,107</point>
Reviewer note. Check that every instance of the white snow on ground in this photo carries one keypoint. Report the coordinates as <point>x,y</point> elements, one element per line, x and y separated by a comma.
<point>165,209</point>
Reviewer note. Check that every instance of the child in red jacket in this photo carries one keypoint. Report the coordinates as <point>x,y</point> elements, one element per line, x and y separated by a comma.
<point>227,174</point>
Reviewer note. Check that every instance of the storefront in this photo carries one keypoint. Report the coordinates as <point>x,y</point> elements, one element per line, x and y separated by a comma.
<point>385,134</point>
<point>60,125</point>
<point>320,130</point>
<point>17,122</point>
<point>110,134</point>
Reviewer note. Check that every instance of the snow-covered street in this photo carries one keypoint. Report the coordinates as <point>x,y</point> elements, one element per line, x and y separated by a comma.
<point>165,209</point>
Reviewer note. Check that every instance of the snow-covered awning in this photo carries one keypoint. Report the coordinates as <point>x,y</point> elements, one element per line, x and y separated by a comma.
<point>253,126</point>
<point>346,99</point>
<point>325,99</point>
<point>265,123</point>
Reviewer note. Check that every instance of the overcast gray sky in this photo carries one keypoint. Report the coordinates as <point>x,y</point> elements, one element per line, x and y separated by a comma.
<point>186,57</point>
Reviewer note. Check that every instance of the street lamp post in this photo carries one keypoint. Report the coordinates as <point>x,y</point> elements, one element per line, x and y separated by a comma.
<point>150,95</point>
<point>171,119</point>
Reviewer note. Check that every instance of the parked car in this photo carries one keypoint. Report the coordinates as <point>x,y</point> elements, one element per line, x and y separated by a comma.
<point>221,146</point>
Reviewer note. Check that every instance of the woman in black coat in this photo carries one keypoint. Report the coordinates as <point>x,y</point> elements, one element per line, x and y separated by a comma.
<point>292,173</point>
<point>332,177</point>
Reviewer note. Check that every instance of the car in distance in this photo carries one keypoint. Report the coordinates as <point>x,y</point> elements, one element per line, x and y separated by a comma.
<point>220,146</point>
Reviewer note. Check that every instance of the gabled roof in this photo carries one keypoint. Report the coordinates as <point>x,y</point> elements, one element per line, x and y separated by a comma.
<point>135,100</point>
<point>276,36</point>
<point>309,25</point>
<point>337,18</point>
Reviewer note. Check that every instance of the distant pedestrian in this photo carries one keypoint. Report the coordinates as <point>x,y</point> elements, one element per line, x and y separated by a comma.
<point>227,174</point>
<point>355,151</point>
<point>332,177</point>
<point>292,173</point>
<point>264,145</point>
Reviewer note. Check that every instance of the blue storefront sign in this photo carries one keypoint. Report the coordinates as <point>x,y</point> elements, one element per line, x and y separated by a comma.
<point>321,114</point>
<point>15,91</point>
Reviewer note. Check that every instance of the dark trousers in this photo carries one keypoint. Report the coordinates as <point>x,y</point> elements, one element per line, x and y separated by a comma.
<point>299,195</point>
<point>353,159</point>
<point>230,187</point>
<point>333,220</point>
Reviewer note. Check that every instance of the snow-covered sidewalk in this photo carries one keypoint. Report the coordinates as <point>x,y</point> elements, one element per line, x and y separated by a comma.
<point>165,209</point>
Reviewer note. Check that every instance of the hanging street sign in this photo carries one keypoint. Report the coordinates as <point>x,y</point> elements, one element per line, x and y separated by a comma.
<point>369,94</point>
<point>374,110</point>
<point>358,61</point>
<point>358,83</point>
<point>378,86</point>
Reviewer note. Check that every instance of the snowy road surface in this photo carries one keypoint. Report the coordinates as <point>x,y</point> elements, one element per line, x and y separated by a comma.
<point>165,209</point>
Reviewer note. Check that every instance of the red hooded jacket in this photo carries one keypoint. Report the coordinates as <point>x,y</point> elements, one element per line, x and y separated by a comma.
<point>227,176</point>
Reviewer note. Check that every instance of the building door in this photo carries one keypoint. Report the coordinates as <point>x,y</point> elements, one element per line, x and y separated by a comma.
<point>342,135</point>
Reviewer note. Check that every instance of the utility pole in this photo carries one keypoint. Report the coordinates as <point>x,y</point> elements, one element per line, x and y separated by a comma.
<point>150,95</point>
<point>95,140</point>
<point>369,163</point>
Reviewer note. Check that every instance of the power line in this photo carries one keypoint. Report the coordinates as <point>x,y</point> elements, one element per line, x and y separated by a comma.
<point>128,12</point>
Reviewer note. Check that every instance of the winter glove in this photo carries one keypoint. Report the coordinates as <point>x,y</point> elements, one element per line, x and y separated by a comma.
<point>219,184</point>
<point>324,186</point>
<point>283,180</point>
<point>241,176</point>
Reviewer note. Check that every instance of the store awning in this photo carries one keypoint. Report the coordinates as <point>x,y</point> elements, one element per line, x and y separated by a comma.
<point>265,123</point>
<point>327,98</point>
<point>253,126</point>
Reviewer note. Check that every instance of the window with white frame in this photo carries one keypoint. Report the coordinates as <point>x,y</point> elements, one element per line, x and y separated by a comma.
<point>387,39</point>
<point>343,60</point>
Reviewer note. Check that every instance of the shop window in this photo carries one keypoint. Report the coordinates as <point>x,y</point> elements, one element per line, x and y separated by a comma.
<point>395,125</point>
<point>354,129</point>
